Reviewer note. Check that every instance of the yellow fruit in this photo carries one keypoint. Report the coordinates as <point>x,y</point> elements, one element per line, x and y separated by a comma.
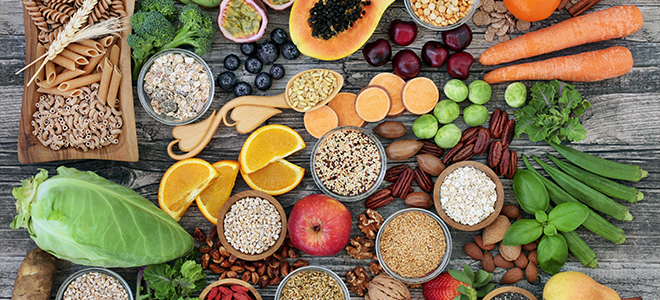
<point>267,144</point>
<point>211,199</point>
<point>575,285</point>
<point>181,183</point>
<point>275,178</point>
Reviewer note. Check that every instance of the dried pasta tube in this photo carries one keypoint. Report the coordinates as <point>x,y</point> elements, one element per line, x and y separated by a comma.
<point>83,50</point>
<point>114,55</point>
<point>64,62</point>
<point>79,59</point>
<point>41,50</point>
<point>92,44</point>
<point>107,41</point>
<point>50,72</point>
<point>62,77</point>
<point>106,75</point>
<point>93,62</point>
<point>111,99</point>
<point>80,81</point>
<point>55,91</point>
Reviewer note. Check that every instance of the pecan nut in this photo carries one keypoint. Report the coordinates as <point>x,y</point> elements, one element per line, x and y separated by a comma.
<point>450,154</point>
<point>507,132</point>
<point>379,199</point>
<point>494,154</point>
<point>423,180</point>
<point>472,139</point>
<point>513,165</point>
<point>393,173</point>
<point>430,148</point>
<point>483,139</point>
<point>465,154</point>
<point>403,184</point>
<point>505,162</point>
<point>497,121</point>
<point>468,133</point>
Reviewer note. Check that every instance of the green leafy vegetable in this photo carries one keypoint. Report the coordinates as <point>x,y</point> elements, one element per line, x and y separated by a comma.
<point>530,192</point>
<point>522,232</point>
<point>176,282</point>
<point>86,219</point>
<point>552,253</point>
<point>568,216</point>
<point>480,279</point>
<point>553,113</point>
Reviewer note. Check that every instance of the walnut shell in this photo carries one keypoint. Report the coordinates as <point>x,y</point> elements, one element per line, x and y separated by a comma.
<point>385,287</point>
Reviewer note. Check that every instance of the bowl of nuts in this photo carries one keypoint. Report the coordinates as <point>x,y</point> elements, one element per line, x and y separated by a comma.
<point>175,86</point>
<point>239,289</point>
<point>348,163</point>
<point>468,195</point>
<point>311,282</point>
<point>413,245</point>
<point>252,225</point>
<point>441,15</point>
<point>94,283</point>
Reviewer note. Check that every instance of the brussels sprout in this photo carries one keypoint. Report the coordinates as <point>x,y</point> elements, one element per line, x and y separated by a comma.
<point>446,111</point>
<point>448,136</point>
<point>456,90</point>
<point>475,115</point>
<point>479,92</point>
<point>425,126</point>
<point>516,94</point>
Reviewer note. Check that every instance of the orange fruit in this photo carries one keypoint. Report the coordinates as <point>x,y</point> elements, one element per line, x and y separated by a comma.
<point>531,10</point>
<point>211,199</point>
<point>182,182</point>
<point>267,144</point>
<point>275,178</point>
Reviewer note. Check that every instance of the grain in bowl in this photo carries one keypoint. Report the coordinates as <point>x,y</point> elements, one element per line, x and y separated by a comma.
<point>468,195</point>
<point>252,225</point>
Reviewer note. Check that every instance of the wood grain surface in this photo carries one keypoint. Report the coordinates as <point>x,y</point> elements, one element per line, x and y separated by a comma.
<point>623,125</point>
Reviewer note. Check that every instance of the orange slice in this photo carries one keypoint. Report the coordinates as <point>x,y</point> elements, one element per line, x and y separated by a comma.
<point>182,182</point>
<point>211,199</point>
<point>267,144</point>
<point>275,178</point>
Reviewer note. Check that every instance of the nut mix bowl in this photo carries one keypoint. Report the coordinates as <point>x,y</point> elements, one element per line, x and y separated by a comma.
<point>103,272</point>
<point>499,190</point>
<point>228,206</point>
<point>370,145</point>
<point>468,15</point>
<point>227,282</point>
<point>333,275</point>
<point>381,239</point>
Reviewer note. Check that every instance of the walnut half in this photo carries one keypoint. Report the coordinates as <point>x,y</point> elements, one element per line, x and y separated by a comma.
<point>360,248</point>
<point>370,223</point>
<point>358,280</point>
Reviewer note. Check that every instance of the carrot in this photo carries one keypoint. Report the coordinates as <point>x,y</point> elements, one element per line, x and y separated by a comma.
<point>587,66</point>
<point>393,84</point>
<point>602,25</point>
<point>420,95</point>
<point>344,105</point>
<point>373,103</point>
<point>321,120</point>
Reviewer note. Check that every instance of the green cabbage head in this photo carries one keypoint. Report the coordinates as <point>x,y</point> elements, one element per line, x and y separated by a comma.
<point>86,219</point>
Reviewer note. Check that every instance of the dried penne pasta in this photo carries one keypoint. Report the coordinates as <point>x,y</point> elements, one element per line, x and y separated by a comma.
<point>107,41</point>
<point>64,62</point>
<point>50,72</point>
<point>83,50</point>
<point>93,62</point>
<point>59,69</point>
<point>61,77</point>
<point>55,91</point>
<point>79,82</point>
<point>104,85</point>
<point>41,50</point>
<point>79,59</point>
<point>92,44</point>
<point>114,55</point>
<point>111,99</point>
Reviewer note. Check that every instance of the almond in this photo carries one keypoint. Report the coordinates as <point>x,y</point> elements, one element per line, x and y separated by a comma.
<point>472,250</point>
<point>511,211</point>
<point>532,273</point>
<point>512,276</point>
<point>494,232</point>
<point>532,257</point>
<point>488,264</point>
<point>501,262</point>
<point>509,253</point>
<point>521,261</point>
<point>480,242</point>
<point>529,247</point>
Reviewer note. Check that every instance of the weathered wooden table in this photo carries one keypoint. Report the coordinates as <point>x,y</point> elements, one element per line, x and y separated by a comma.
<point>623,125</point>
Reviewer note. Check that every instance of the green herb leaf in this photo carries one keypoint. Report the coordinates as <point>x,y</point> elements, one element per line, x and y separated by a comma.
<point>463,289</point>
<point>543,96</point>
<point>460,276</point>
<point>481,278</point>
<point>524,119</point>
<point>552,253</point>
<point>540,216</point>
<point>487,289</point>
<point>458,297</point>
<point>530,192</point>
<point>550,230</point>
<point>568,216</point>
<point>522,232</point>
<point>468,272</point>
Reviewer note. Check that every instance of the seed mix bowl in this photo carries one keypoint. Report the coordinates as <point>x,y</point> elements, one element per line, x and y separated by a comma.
<point>94,283</point>
<point>348,163</point>
<point>316,286</point>
<point>440,7</point>
<point>403,243</point>
<point>255,218</point>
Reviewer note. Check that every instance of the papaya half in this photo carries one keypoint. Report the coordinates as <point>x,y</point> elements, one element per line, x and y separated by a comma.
<point>343,43</point>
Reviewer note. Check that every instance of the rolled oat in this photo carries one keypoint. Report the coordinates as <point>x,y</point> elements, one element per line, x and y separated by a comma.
<point>468,195</point>
<point>252,225</point>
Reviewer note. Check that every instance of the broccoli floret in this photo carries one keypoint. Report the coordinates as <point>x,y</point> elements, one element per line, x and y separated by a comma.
<point>197,29</point>
<point>150,31</point>
<point>165,7</point>
<point>142,49</point>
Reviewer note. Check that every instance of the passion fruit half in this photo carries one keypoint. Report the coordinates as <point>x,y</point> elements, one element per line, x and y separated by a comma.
<point>242,21</point>
<point>278,4</point>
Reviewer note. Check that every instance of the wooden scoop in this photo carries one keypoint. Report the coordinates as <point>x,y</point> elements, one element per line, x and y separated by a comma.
<point>249,112</point>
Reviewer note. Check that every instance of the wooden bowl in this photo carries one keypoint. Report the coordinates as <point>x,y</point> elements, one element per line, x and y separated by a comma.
<point>230,282</point>
<point>221,223</point>
<point>498,203</point>
<point>511,289</point>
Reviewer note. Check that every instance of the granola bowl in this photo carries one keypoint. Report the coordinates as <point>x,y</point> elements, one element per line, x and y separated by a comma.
<point>178,89</point>
<point>450,212</point>
<point>88,278</point>
<point>408,231</point>
<point>336,156</point>
<point>281,292</point>
<point>410,7</point>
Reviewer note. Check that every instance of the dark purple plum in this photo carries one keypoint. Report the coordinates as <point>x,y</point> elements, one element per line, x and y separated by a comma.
<point>377,53</point>
<point>458,65</point>
<point>402,33</point>
<point>406,64</point>
<point>435,54</point>
<point>459,38</point>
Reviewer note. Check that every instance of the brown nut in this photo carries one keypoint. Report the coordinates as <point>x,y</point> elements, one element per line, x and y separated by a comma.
<point>488,264</point>
<point>533,257</point>
<point>472,250</point>
<point>393,173</point>
<point>403,149</point>
<point>513,165</point>
<point>403,184</point>
<point>390,130</point>
<point>510,211</point>
<point>480,242</point>
<point>431,164</point>
<point>423,180</point>
<point>512,276</point>
<point>507,132</point>
<point>431,148</point>
<point>482,142</point>
<point>501,262</point>
<point>494,232</point>
<point>450,154</point>
<point>419,200</point>
<point>532,273</point>
<point>379,199</point>
<point>509,253</point>
<point>529,247</point>
<point>215,268</point>
<point>505,162</point>
<point>497,121</point>
<point>465,153</point>
<point>469,133</point>
<point>199,235</point>
<point>494,154</point>
<point>521,261</point>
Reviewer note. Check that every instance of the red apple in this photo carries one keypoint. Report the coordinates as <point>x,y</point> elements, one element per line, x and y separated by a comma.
<point>319,225</point>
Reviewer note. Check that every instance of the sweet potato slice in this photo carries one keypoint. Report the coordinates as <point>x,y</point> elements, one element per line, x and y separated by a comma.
<point>344,105</point>
<point>420,95</point>
<point>373,103</point>
<point>321,120</point>
<point>393,84</point>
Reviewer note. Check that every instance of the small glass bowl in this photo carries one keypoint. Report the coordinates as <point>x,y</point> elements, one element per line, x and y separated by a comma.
<point>443,263</point>
<point>278,293</point>
<point>146,101</point>
<point>70,279</point>
<point>372,189</point>
<point>460,22</point>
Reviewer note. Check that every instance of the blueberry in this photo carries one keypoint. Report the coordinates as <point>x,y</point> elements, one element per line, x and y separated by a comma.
<point>277,71</point>
<point>263,81</point>
<point>242,89</point>
<point>249,49</point>
<point>268,52</point>
<point>232,62</point>
<point>290,51</point>
<point>279,36</point>
<point>227,80</point>
<point>253,65</point>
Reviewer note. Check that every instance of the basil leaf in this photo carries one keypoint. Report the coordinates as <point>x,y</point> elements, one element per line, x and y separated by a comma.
<point>541,216</point>
<point>460,276</point>
<point>552,253</point>
<point>530,192</point>
<point>468,272</point>
<point>550,230</point>
<point>481,278</point>
<point>568,216</point>
<point>522,232</point>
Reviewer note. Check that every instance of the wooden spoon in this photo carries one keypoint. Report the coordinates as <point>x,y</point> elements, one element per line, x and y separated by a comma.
<point>192,138</point>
